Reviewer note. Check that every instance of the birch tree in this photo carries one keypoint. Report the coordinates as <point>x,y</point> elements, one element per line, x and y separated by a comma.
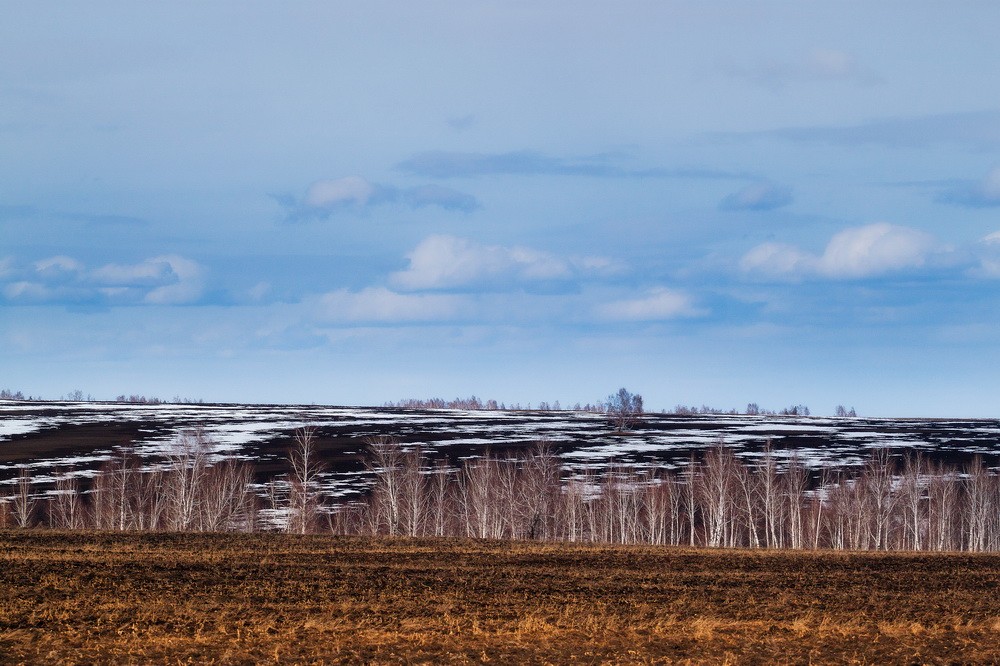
<point>304,493</point>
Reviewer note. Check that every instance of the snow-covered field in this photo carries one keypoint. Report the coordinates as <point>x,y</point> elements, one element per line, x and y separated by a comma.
<point>66,435</point>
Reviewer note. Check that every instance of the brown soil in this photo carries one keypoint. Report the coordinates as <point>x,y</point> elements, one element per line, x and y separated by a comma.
<point>234,599</point>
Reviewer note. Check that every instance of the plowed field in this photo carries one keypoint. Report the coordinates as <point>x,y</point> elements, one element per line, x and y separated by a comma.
<point>155,598</point>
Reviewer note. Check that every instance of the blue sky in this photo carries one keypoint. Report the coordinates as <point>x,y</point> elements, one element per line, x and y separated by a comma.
<point>348,203</point>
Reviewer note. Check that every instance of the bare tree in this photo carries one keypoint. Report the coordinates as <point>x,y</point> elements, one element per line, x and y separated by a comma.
<point>691,508</point>
<point>656,501</point>
<point>440,499</point>
<point>476,483</point>
<point>413,496</point>
<point>717,493</point>
<point>304,492</point>
<point>912,503</point>
<point>22,502</point>
<point>541,480</point>
<point>66,511</point>
<point>879,483</point>
<point>624,409</point>
<point>188,464</point>
<point>796,483</point>
<point>979,506</point>
<point>573,511</point>
<point>943,516</point>
<point>749,486</point>
<point>770,490</point>
<point>386,462</point>
<point>226,497</point>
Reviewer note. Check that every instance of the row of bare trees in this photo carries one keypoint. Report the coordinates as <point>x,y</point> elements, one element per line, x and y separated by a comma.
<point>716,500</point>
<point>191,490</point>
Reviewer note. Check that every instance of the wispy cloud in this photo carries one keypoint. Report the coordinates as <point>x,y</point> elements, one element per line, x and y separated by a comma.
<point>761,195</point>
<point>445,262</point>
<point>324,198</point>
<point>982,194</point>
<point>259,291</point>
<point>988,251</point>
<point>8,212</point>
<point>976,130</point>
<point>818,65</point>
<point>443,197</point>
<point>336,193</point>
<point>657,304</point>
<point>381,305</point>
<point>163,280</point>
<point>146,273</point>
<point>58,267</point>
<point>106,220</point>
<point>858,252</point>
<point>26,291</point>
<point>441,164</point>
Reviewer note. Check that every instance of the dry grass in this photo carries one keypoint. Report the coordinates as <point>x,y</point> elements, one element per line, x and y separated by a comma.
<point>169,598</point>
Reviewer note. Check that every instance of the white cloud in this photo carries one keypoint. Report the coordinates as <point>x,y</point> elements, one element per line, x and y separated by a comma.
<point>170,279</point>
<point>354,193</point>
<point>186,286</point>
<point>58,266</point>
<point>327,194</point>
<point>378,304</point>
<point>259,290</point>
<point>857,252</point>
<point>163,280</point>
<point>989,256</point>
<point>148,272</point>
<point>876,248</point>
<point>659,303</point>
<point>6,266</point>
<point>440,262</point>
<point>27,291</point>
<point>989,267</point>
<point>777,259</point>
<point>990,185</point>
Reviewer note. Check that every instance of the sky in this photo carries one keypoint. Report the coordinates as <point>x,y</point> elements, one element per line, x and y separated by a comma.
<point>356,202</point>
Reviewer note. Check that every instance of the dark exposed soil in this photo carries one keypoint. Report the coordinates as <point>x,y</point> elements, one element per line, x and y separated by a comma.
<point>175,598</point>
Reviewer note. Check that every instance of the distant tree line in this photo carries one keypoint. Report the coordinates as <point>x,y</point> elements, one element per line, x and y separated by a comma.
<point>612,404</point>
<point>753,409</point>
<point>715,500</point>
<point>475,404</point>
<point>78,396</point>
<point>135,399</point>
<point>7,394</point>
